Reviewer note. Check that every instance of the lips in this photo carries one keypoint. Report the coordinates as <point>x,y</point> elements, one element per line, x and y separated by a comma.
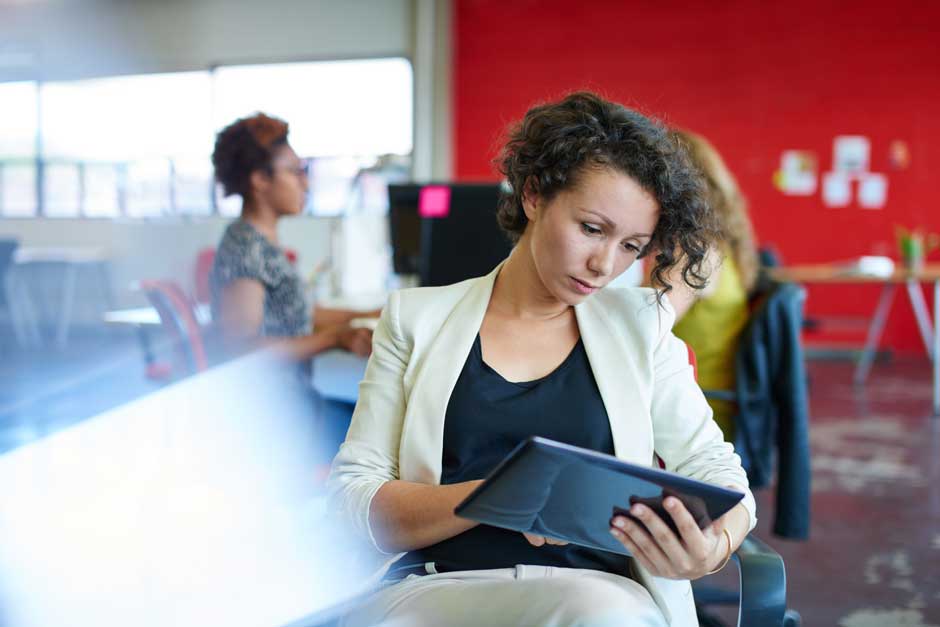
<point>582,287</point>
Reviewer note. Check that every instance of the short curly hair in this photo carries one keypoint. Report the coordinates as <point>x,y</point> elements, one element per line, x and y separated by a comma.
<point>555,142</point>
<point>244,146</point>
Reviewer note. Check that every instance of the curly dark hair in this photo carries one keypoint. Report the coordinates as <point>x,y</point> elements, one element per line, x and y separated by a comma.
<point>554,143</point>
<point>244,146</point>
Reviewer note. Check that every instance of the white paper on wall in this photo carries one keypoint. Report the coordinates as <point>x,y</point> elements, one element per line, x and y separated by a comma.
<point>797,173</point>
<point>872,191</point>
<point>850,155</point>
<point>836,189</point>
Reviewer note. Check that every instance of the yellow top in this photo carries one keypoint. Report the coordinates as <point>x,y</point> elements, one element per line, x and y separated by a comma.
<point>712,327</point>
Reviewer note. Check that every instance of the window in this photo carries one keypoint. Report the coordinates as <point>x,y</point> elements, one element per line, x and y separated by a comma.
<point>18,135</point>
<point>140,145</point>
<point>342,114</point>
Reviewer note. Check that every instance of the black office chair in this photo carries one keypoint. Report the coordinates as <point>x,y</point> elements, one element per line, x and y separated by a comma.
<point>772,438</point>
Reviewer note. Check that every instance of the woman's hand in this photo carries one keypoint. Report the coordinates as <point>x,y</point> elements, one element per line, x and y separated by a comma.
<point>654,545</point>
<point>355,340</point>
<point>535,540</point>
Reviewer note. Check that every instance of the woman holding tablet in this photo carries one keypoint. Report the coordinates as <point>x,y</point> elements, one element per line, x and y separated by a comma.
<point>461,374</point>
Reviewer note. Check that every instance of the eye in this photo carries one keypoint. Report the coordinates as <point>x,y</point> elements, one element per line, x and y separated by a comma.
<point>589,229</point>
<point>633,248</point>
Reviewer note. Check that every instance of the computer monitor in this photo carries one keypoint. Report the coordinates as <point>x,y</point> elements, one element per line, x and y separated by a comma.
<point>457,234</point>
<point>404,227</point>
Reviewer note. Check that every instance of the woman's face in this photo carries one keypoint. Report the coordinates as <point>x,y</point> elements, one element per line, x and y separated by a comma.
<point>286,191</point>
<point>588,235</point>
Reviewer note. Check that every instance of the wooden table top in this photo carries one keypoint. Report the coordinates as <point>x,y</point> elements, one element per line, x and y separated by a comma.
<point>845,273</point>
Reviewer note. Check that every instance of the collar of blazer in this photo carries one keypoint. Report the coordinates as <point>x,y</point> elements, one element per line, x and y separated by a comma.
<point>625,385</point>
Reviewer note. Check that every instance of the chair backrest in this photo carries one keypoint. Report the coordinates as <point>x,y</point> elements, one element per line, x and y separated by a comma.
<point>179,320</point>
<point>204,261</point>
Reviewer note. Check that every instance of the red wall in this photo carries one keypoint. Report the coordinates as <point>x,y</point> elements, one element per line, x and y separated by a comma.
<point>756,78</point>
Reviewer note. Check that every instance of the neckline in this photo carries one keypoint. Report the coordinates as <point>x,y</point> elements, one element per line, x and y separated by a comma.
<point>478,348</point>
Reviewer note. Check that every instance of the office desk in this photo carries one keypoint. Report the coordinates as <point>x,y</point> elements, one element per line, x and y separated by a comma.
<point>71,260</point>
<point>196,505</point>
<point>831,274</point>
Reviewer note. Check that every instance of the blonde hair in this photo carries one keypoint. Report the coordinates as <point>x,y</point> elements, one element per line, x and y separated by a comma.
<point>729,205</point>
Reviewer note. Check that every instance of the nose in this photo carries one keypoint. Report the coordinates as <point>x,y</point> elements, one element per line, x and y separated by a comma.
<point>601,262</point>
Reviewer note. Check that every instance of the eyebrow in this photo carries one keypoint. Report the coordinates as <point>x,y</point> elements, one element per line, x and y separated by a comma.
<point>613,225</point>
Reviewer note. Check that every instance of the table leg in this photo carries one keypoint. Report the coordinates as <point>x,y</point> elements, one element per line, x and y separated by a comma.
<point>936,348</point>
<point>18,290</point>
<point>16,311</point>
<point>921,314</point>
<point>875,329</point>
<point>68,301</point>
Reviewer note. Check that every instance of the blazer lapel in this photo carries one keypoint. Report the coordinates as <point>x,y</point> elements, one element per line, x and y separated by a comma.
<point>618,378</point>
<point>423,430</point>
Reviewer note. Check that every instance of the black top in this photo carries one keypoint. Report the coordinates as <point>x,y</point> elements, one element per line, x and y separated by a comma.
<point>486,418</point>
<point>244,253</point>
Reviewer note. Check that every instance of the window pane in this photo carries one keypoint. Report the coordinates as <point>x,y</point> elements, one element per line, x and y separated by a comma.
<point>148,188</point>
<point>127,118</point>
<point>61,190</point>
<point>334,108</point>
<point>192,179</point>
<point>331,184</point>
<point>18,123</point>
<point>18,189</point>
<point>101,191</point>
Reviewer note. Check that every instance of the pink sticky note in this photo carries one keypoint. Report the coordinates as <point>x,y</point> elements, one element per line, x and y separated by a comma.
<point>434,201</point>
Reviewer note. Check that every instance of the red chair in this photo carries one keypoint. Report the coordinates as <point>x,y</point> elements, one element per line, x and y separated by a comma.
<point>204,261</point>
<point>179,321</point>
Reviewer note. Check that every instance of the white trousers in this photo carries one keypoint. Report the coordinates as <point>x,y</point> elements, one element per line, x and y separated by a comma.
<point>542,596</point>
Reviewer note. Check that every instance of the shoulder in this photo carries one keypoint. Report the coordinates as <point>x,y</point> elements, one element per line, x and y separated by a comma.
<point>639,303</point>
<point>419,312</point>
<point>242,253</point>
<point>637,311</point>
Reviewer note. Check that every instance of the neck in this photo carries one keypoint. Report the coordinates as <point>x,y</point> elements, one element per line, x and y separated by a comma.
<point>519,291</point>
<point>262,217</point>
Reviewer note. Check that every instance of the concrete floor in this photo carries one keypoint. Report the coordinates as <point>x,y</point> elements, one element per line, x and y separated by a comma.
<point>873,558</point>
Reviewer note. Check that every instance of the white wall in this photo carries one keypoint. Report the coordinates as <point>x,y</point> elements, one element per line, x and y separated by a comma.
<point>63,39</point>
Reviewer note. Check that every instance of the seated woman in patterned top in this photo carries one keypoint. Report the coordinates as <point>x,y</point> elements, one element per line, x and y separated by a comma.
<point>257,295</point>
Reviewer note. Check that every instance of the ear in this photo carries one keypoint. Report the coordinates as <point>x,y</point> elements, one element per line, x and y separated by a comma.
<point>260,181</point>
<point>531,203</point>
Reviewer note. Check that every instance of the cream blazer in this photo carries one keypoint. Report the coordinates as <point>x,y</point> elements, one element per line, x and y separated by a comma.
<point>419,349</point>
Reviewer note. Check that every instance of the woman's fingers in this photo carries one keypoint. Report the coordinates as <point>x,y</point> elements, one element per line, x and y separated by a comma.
<point>695,541</point>
<point>663,535</point>
<point>537,540</point>
<point>646,543</point>
<point>533,539</point>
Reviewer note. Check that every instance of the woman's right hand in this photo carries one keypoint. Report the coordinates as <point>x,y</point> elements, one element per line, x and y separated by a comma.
<point>355,340</point>
<point>536,540</point>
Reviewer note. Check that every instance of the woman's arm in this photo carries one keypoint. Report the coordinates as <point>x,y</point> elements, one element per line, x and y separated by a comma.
<point>242,314</point>
<point>690,443</point>
<point>405,516</point>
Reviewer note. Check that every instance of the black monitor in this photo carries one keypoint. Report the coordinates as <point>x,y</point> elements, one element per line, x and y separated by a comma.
<point>404,227</point>
<point>457,238</point>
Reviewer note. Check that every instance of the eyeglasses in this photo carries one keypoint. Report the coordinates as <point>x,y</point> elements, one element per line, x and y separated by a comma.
<point>300,171</point>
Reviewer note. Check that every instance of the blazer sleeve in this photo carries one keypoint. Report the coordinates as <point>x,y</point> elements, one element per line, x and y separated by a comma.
<point>369,456</point>
<point>685,436</point>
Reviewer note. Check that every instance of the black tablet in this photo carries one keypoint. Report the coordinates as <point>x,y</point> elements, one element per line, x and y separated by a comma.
<point>570,493</point>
